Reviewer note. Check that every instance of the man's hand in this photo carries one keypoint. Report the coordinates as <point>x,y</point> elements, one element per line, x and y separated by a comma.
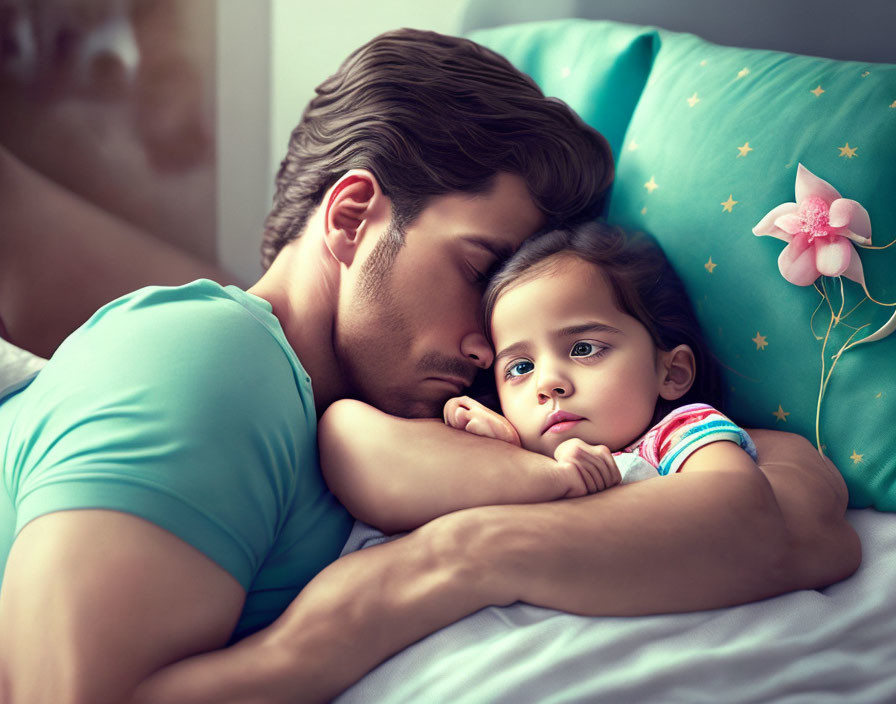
<point>464,413</point>
<point>588,468</point>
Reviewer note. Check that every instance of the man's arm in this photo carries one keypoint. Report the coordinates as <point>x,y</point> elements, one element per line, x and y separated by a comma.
<point>366,468</point>
<point>696,540</point>
<point>94,601</point>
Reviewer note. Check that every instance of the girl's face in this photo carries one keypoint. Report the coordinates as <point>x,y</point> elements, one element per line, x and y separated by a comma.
<point>569,363</point>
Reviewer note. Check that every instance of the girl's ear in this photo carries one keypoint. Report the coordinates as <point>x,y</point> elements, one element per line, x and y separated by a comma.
<point>677,369</point>
<point>352,200</point>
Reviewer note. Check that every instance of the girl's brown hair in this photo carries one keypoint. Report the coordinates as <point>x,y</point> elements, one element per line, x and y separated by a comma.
<point>430,114</point>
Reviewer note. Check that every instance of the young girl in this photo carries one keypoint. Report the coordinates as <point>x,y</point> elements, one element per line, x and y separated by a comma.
<point>602,374</point>
<point>596,344</point>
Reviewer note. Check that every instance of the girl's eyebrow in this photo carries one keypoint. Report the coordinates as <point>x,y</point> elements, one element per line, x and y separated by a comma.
<point>520,347</point>
<point>587,327</point>
<point>510,351</point>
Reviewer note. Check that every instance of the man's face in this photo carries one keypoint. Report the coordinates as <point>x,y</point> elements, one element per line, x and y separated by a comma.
<point>409,337</point>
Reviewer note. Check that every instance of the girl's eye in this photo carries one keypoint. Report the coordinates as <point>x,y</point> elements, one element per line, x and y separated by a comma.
<point>518,369</point>
<point>585,349</point>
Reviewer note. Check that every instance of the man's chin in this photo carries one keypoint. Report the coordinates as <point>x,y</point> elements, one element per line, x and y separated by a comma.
<point>407,407</point>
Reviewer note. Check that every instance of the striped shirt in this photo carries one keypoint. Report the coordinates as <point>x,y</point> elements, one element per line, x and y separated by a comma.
<point>671,441</point>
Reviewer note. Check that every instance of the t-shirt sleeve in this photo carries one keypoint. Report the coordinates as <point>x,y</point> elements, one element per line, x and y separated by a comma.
<point>184,413</point>
<point>675,438</point>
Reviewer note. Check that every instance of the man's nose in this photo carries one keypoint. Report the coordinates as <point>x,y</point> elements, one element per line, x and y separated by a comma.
<point>476,348</point>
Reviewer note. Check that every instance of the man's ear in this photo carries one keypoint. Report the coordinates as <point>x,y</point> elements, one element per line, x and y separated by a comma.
<point>352,200</point>
<point>677,369</point>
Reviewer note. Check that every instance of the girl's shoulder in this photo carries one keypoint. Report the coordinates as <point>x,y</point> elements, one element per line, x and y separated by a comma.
<point>668,443</point>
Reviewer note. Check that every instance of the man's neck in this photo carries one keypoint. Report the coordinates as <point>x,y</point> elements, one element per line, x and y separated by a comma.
<point>302,287</point>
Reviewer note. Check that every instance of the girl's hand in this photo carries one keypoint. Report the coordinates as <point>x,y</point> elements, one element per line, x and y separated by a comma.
<point>464,413</point>
<point>587,468</point>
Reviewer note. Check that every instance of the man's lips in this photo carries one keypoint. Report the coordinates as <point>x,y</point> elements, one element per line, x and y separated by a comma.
<point>461,384</point>
<point>559,421</point>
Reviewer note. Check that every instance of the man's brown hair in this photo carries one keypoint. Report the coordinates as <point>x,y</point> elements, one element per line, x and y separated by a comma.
<point>430,114</point>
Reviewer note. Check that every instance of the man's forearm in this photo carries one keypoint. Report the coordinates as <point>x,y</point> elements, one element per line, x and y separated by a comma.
<point>398,474</point>
<point>679,543</point>
<point>353,615</point>
<point>671,544</point>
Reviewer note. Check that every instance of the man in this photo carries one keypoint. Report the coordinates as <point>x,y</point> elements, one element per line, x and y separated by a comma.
<point>421,163</point>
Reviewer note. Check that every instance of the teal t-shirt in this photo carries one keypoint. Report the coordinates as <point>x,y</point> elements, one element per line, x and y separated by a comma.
<point>185,406</point>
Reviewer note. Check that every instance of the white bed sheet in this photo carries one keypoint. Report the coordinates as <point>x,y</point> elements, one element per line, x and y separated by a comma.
<point>835,645</point>
<point>17,367</point>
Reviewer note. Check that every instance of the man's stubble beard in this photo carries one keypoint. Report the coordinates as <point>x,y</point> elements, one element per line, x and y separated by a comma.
<point>378,335</point>
<point>377,338</point>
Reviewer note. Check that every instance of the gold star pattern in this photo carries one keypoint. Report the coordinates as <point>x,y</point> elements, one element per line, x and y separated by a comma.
<point>893,104</point>
<point>879,394</point>
<point>710,265</point>
<point>761,342</point>
<point>703,63</point>
<point>644,210</point>
<point>818,91</point>
<point>693,100</point>
<point>744,150</point>
<point>743,72</point>
<point>633,145</point>
<point>856,457</point>
<point>651,185</point>
<point>847,151</point>
<point>866,73</point>
<point>781,414</point>
<point>729,204</point>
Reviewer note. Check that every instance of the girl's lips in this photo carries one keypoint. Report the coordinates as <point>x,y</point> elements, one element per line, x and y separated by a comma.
<point>563,425</point>
<point>558,421</point>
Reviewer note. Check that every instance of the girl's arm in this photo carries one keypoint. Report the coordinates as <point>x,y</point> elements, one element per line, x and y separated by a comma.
<point>723,454</point>
<point>385,472</point>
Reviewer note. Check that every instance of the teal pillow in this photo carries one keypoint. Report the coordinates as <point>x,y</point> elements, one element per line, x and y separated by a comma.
<point>597,68</point>
<point>713,145</point>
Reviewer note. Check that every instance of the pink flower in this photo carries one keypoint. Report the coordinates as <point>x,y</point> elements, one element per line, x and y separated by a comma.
<point>818,229</point>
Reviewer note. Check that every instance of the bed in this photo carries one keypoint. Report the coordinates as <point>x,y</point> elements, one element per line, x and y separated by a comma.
<point>708,137</point>
<point>708,131</point>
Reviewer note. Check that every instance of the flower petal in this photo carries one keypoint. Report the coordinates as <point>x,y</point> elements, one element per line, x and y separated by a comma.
<point>808,184</point>
<point>832,255</point>
<point>854,270</point>
<point>885,330</point>
<point>850,214</point>
<point>767,225</point>
<point>791,223</point>
<point>797,262</point>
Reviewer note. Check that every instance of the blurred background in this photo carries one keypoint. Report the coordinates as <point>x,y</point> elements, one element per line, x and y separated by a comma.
<point>174,114</point>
